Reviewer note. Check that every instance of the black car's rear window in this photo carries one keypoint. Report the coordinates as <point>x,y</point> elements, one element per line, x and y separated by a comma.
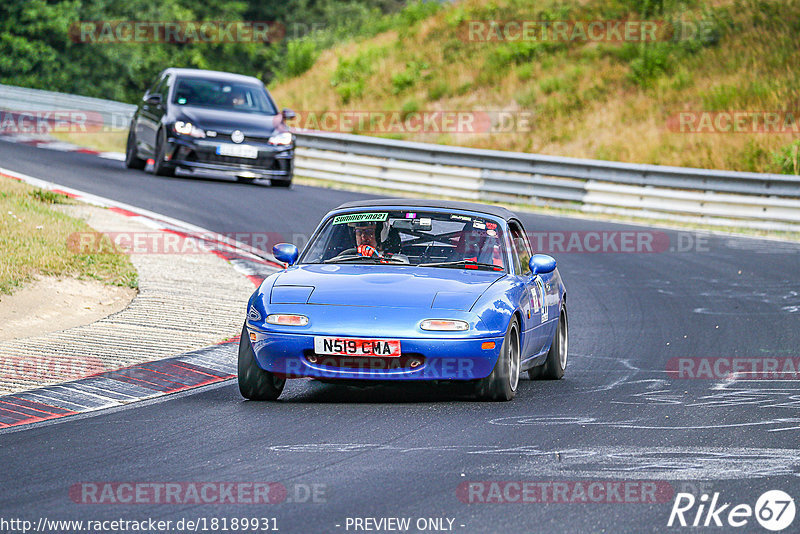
<point>222,95</point>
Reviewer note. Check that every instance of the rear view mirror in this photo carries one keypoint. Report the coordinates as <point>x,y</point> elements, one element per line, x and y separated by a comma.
<point>153,100</point>
<point>542,263</point>
<point>288,114</point>
<point>286,253</point>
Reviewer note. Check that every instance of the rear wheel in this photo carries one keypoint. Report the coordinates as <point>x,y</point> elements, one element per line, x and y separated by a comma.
<point>281,183</point>
<point>160,165</point>
<point>501,384</point>
<point>254,382</point>
<point>556,362</point>
<point>132,159</point>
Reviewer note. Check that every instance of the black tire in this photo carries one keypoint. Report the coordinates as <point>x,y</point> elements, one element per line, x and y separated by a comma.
<point>556,362</point>
<point>132,159</point>
<point>244,180</point>
<point>285,181</point>
<point>254,382</point>
<point>160,166</point>
<point>281,183</point>
<point>502,383</point>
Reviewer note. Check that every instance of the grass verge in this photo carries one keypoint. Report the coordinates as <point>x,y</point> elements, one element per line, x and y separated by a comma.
<point>34,237</point>
<point>113,141</point>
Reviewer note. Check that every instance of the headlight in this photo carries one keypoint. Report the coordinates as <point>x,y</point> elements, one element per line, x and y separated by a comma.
<point>444,325</point>
<point>187,128</point>
<point>287,319</point>
<point>283,138</point>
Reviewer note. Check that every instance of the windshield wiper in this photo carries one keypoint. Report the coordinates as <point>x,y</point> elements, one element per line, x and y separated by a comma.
<point>375,259</point>
<point>463,263</point>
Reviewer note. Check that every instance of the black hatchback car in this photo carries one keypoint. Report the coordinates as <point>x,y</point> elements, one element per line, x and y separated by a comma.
<point>200,119</point>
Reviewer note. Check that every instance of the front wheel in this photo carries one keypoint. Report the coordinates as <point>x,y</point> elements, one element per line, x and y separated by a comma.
<point>160,165</point>
<point>132,159</point>
<point>556,362</point>
<point>254,382</point>
<point>501,384</point>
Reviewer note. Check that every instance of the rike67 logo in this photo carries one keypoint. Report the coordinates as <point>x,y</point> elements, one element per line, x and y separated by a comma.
<point>774,510</point>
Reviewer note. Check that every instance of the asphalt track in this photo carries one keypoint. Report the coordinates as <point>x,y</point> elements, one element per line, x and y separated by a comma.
<point>405,451</point>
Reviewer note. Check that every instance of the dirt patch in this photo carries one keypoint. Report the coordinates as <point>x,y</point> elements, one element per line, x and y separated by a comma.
<point>50,304</point>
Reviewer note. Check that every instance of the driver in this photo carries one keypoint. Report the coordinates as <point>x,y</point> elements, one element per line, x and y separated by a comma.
<point>236,98</point>
<point>367,239</point>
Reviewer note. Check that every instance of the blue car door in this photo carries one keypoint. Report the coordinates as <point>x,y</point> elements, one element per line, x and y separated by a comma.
<point>535,314</point>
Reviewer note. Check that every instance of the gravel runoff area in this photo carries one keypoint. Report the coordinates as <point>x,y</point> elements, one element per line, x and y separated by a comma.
<point>185,302</point>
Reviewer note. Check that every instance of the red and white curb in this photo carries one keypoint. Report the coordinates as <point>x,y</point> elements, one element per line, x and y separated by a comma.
<point>141,381</point>
<point>117,388</point>
<point>45,141</point>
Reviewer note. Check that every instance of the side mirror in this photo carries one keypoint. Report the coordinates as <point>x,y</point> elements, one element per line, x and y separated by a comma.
<point>286,253</point>
<point>153,100</point>
<point>541,264</point>
<point>288,114</point>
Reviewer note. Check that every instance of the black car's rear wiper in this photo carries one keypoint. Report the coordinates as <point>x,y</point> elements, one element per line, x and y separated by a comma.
<point>467,264</point>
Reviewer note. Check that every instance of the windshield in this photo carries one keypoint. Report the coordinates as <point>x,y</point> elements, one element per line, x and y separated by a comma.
<point>424,238</point>
<point>223,95</point>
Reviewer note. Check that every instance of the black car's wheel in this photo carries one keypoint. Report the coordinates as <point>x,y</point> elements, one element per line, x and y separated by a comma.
<point>254,382</point>
<point>245,180</point>
<point>285,181</point>
<point>160,165</point>
<point>132,159</point>
<point>556,362</point>
<point>501,384</point>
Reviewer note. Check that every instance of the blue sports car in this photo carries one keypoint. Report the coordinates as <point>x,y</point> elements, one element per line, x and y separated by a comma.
<point>401,289</point>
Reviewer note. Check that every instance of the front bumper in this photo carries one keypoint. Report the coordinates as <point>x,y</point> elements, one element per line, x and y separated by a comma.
<point>273,161</point>
<point>292,356</point>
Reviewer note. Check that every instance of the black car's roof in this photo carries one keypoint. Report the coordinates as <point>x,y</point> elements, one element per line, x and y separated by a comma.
<point>497,211</point>
<point>212,75</point>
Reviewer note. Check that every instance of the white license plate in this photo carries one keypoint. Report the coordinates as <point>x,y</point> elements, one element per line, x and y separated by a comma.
<point>343,346</point>
<point>238,151</point>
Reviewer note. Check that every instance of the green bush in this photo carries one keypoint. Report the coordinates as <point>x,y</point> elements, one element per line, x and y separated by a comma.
<point>787,158</point>
<point>350,75</point>
<point>409,107</point>
<point>407,78</point>
<point>653,61</point>
<point>300,56</point>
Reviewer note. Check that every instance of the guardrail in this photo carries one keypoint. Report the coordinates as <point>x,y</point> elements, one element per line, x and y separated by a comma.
<point>768,201</point>
<point>99,113</point>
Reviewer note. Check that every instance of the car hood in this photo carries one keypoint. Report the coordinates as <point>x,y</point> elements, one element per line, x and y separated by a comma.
<point>226,121</point>
<point>378,285</point>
